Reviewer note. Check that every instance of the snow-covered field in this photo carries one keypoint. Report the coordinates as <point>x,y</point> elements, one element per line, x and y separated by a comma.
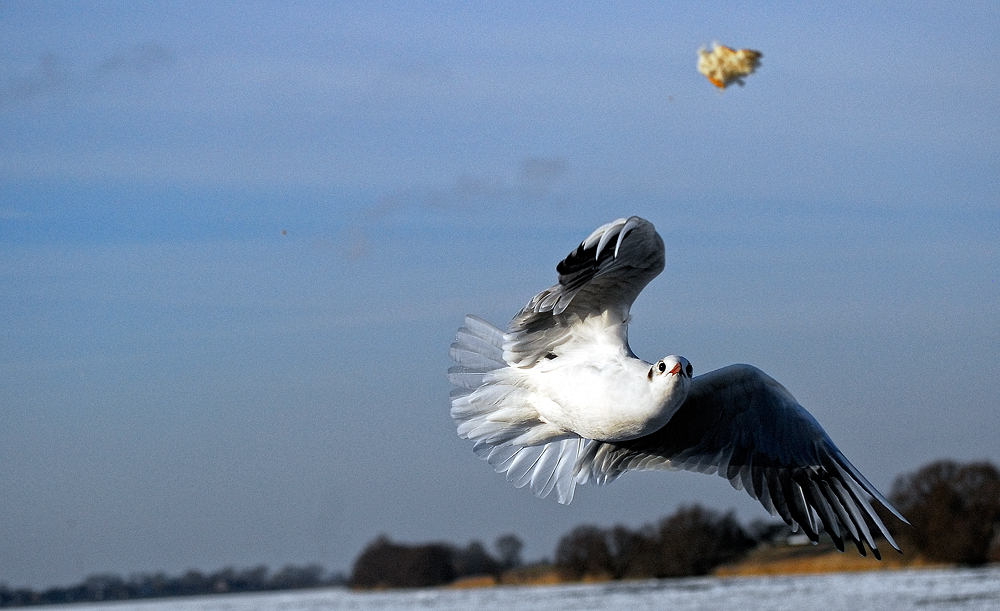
<point>884,590</point>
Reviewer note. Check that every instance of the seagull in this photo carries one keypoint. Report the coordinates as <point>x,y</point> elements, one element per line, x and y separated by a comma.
<point>559,400</point>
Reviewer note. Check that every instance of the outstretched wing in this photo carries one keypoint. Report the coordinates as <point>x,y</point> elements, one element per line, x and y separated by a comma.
<point>605,273</point>
<point>742,424</point>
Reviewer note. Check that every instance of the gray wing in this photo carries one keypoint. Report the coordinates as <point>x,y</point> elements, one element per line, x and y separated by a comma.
<point>742,424</point>
<point>606,272</point>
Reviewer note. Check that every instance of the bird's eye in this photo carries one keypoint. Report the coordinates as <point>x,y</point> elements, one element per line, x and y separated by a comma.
<point>661,366</point>
<point>690,370</point>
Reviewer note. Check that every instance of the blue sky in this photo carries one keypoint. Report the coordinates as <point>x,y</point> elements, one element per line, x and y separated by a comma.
<point>237,239</point>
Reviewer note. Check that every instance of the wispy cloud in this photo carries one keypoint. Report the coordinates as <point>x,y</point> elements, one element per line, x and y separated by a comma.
<point>140,58</point>
<point>13,214</point>
<point>52,76</point>
<point>536,181</point>
<point>539,175</point>
<point>48,76</point>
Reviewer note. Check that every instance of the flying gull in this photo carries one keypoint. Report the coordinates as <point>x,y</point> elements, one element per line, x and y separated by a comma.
<point>559,399</point>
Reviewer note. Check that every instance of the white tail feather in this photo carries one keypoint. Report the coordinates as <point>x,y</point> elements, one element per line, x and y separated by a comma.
<point>493,411</point>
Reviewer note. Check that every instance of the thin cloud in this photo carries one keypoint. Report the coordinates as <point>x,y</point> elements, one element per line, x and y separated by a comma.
<point>140,58</point>
<point>537,178</point>
<point>52,76</point>
<point>540,175</point>
<point>467,190</point>
<point>13,214</point>
<point>48,76</point>
<point>355,245</point>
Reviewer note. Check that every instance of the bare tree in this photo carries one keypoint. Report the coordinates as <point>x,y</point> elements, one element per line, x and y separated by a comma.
<point>508,549</point>
<point>634,553</point>
<point>694,540</point>
<point>954,510</point>
<point>474,560</point>
<point>584,552</point>
<point>384,564</point>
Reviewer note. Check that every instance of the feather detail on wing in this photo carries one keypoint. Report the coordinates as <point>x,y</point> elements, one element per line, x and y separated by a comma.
<point>487,406</point>
<point>605,273</point>
<point>543,468</point>
<point>740,423</point>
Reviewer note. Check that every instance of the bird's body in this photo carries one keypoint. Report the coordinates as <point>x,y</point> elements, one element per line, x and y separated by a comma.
<point>560,399</point>
<point>574,384</point>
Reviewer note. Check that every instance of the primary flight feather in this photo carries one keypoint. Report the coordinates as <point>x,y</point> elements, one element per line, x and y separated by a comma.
<point>559,399</point>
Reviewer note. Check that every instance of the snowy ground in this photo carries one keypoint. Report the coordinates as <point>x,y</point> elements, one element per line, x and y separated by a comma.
<point>886,590</point>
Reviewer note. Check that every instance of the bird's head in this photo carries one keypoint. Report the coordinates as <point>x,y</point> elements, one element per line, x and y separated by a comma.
<point>671,376</point>
<point>671,366</point>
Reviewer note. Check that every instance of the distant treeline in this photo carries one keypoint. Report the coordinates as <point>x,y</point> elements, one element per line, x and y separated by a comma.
<point>113,587</point>
<point>954,510</point>
<point>692,541</point>
<point>384,564</point>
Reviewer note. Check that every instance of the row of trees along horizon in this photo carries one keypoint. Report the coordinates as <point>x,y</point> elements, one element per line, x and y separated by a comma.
<point>954,510</point>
